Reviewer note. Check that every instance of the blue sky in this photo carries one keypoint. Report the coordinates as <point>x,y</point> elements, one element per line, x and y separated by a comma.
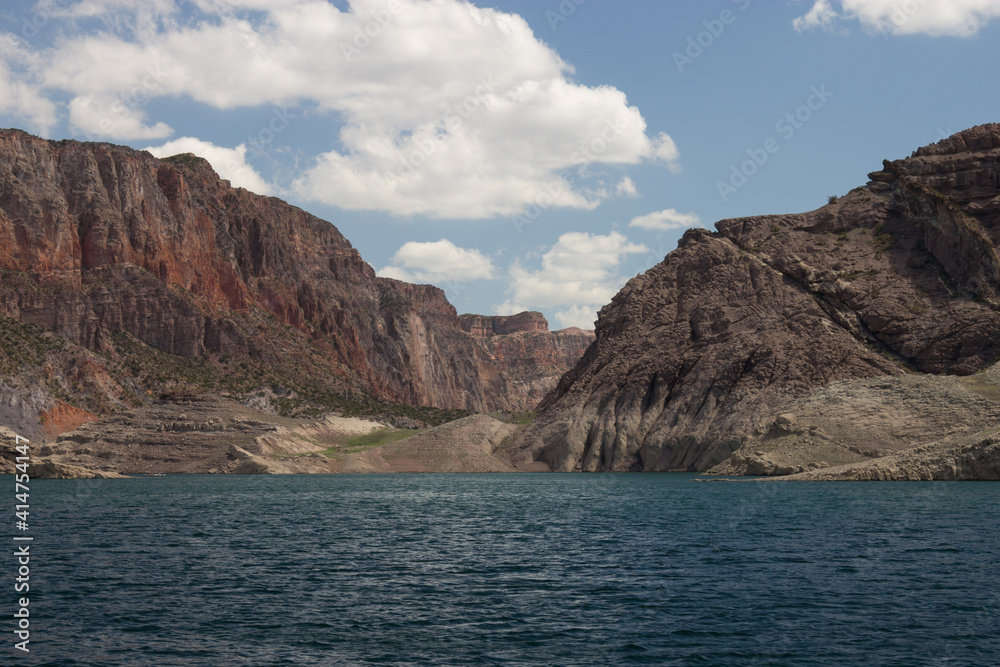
<point>520,155</point>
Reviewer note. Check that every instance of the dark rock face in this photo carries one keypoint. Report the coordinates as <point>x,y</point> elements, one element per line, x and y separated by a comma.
<point>99,241</point>
<point>530,357</point>
<point>900,273</point>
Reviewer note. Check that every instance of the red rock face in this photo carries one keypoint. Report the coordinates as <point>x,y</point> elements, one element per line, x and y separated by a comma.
<point>99,240</point>
<point>482,326</point>
<point>902,273</point>
<point>531,358</point>
<point>63,417</point>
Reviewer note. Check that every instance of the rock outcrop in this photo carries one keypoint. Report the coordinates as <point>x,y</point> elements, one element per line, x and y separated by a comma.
<point>529,356</point>
<point>122,255</point>
<point>485,326</point>
<point>198,433</point>
<point>913,426</point>
<point>899,275</point>
<point>972,461</point>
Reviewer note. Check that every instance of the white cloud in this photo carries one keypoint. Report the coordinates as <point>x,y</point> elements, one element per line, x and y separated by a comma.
<point>666,219</point>
<point>229,163</point>
<point>626,188</point>
<point>19,96</point>
<point>441,108</point>
<point>955,18</point>
<point>820,16</point>
<point>438,262</point>
<point>97,8</point>
<point>665,150</point>
<point>578,275</point>
<point>112,118</point>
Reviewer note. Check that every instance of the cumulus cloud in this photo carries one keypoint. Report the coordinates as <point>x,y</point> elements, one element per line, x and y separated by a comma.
<point>955,18</point>
<point>438,108</point>
<point>626,187</point>
<point>19,96</point>
<point>230,163</point>
<point>578,275</point>
<point>821,15</point>
<point>97,117</point>
<point>438,262</point>
<point>666,219</point>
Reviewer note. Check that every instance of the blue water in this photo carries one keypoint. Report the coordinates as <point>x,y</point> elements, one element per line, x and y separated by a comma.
<point>530,569</point>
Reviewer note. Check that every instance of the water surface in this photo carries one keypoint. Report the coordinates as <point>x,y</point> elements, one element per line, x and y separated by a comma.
<point>512,569</point>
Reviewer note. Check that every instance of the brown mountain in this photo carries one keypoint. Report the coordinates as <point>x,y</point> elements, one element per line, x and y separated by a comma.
<point>529,356</point>
<point>122,275</point>
<point>898,276</point>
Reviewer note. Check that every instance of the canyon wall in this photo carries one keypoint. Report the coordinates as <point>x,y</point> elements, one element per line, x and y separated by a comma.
<point>530,357</point>
<point>107,247</point>
<point>898,276</point>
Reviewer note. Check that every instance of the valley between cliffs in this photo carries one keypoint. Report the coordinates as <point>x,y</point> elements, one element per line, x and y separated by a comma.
<point>157,320</point>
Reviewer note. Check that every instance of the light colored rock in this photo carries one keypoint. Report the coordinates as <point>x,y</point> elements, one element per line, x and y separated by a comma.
<point>52,470</point>
<point>906,427</point>
<point>473,444</point>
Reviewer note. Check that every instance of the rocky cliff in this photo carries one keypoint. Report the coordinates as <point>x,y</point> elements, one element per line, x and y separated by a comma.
<point>486,326</point>
<point>529,356</point>
<point>900,275</point>
<point>120,273</point>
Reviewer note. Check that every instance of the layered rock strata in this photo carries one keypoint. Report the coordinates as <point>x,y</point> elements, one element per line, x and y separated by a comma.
<point>529,356</point>
<point>106,246</point>
<point>900,275</point>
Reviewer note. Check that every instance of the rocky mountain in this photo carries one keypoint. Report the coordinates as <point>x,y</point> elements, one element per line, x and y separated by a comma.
<point>898,276</point>
<point>122,275</point>
<point>529,356</point>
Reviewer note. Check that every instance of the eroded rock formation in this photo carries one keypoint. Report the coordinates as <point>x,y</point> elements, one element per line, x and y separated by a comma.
<point>530,357</point>
<point>109,248</point>
<point>899,275</point>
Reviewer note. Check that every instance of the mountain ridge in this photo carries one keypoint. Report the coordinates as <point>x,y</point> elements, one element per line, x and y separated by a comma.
<point>111,258</point>
<point>896,276</point>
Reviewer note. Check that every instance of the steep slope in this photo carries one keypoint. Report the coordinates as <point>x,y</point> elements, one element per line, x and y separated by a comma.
<point>124,256</point>
<point>529,356</point>
<point>899,274</point>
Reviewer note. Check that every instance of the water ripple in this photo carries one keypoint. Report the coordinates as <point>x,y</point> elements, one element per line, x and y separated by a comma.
<point>513,570</point>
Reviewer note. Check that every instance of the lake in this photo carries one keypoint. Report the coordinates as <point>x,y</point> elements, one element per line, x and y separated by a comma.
<point>510,569</point>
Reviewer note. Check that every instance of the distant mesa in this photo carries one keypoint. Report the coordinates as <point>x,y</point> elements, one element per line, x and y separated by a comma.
<point>498,325</point>
<point>531,358</point>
